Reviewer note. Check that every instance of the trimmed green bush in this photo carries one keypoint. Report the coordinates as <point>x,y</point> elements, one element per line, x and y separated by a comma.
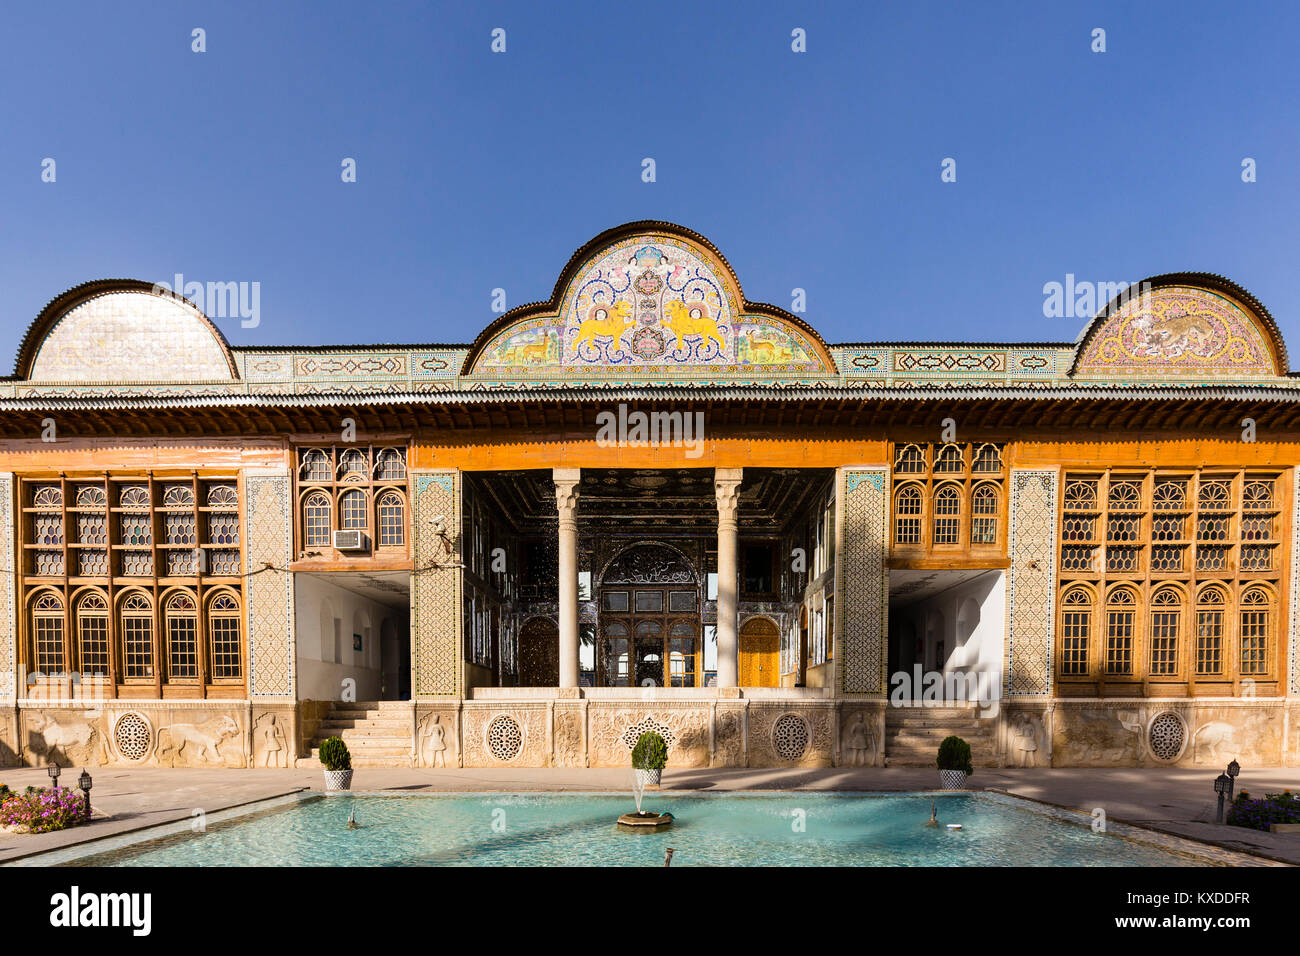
<point>334,754</point>
<point>954,754</point>
<point>650,752</point>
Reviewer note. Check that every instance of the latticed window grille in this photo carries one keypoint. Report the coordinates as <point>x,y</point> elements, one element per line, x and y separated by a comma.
<point>352,510</point>
<point>353,464</point>
<point>92,634</point>
<point>110,522</point>
<point>314,465</point>
<point>182,618</point>
<point>909,460</point>
<point>1121,615</point>
<point>47,633</point>
<point>390,465</point>
<point>316,520</point>
<point>1255,606</point>
<point>392,520</point>
<point>907,514</point>
<point>1166,615</point>
<point>987,461</point>
<point>984,514</point>
<point>1210,604</point>
<point>947,515</point>
<point>948,460</point>
<point>1202,543</point>
<point>223,637</point>
<point>136,628</point>
<point>1076,627</point>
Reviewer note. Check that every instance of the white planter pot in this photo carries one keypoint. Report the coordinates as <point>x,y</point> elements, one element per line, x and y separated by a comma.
<point>646,778</point>
<point>338,779</point>
<point>952,779</point>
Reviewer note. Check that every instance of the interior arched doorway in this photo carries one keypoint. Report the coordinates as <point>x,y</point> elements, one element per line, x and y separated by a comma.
<point>649,634</point>
<point>760,653</point>
<point>539,654</point>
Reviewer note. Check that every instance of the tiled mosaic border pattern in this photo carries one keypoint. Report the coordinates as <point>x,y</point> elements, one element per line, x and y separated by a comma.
<point>8,611</point>
<point>272,649</point>
<point>862,580</point>
<point>1293,631</point>
<point>436,587</point>
<point>1031,588</point>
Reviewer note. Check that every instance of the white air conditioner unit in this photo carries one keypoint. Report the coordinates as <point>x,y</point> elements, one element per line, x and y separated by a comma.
<point>350,540</point>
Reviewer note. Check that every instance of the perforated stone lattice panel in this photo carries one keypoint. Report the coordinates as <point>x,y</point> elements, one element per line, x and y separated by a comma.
<point>790,736</point>
<point>1166,736</point>
<point>133,736</point>
<point>649,724</point>
<point>504,738</point>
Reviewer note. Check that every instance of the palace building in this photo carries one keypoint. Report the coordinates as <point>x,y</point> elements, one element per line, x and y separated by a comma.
<point>650,503</point>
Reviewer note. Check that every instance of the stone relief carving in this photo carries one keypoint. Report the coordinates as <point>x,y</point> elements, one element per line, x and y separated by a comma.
<point>437,741</point>
<point>728,738</point>
<point>270,748</point>
<point>858,740</point>
<point>1025,749</point>
<point>1213,740</point>
<point>196,743</point>
<point>66,740</point>
<point>568,737</point>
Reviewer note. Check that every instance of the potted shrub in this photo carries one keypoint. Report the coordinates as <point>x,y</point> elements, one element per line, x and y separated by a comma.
<point>649,757</point>
<point>954,763</point>
<point>336,760</point>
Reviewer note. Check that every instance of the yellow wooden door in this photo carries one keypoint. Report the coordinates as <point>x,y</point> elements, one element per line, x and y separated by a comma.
<point>760,652</point>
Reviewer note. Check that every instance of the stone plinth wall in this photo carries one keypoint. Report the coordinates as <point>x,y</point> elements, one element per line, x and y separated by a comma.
<point>1181,732</point>
<point>529,730</point>
<point>148,733</point>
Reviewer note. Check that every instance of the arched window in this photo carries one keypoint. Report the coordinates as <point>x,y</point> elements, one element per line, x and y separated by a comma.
<point>987,461</point>
<point>907,514</point>
<point>1121,628</point>
<point>1125,494</point>
<point>392,520</point>
<point>223,637</point>
<point>136,628</point>
<point>92,634</point>
<point>47,497</point>
<point>390,465</point>
<point>948,460</point>
<point>1210,604</point>
<point>313,465</point>
<point>1076,631</point>
<point>1166,620</point>
<point>1255,606</point>
<point>47,633</point>
<point>984,514</point>
<point>178,496</point>
<point>910,460</point>
<point>353,466</point>
<point>134,497</point>
<point>352,510</point>
<point>316,520</point>
<point>91,496</point>
<point>947,515</point>
<point>182,622</point>
<point>1081,495</point>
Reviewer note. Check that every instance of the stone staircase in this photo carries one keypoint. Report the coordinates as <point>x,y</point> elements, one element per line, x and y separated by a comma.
<point>378,733</point>
<point>913,734</point>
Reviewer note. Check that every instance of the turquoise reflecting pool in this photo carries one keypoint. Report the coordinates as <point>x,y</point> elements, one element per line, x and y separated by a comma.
<point>551,829</point>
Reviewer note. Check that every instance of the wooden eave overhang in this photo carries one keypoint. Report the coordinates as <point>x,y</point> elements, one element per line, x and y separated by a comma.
<point>1192,409</point>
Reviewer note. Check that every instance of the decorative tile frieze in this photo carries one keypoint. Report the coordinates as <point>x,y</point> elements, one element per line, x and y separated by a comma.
<point>436,584</point>
<point>269,532</point>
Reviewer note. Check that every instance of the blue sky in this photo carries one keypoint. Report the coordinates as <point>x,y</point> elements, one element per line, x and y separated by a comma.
<point>477,170</point>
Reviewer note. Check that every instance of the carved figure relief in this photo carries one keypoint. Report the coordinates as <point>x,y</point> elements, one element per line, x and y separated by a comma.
<point>196,743</point>
<point>66,740</point>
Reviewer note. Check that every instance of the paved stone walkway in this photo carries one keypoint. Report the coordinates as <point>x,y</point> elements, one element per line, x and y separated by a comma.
<point>1175,801</point>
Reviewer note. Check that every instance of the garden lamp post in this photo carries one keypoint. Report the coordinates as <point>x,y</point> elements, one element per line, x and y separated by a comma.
<point>85,783</point>
<point>1234,768</point>
<point>53,771</point>
<point>1221,784</point>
